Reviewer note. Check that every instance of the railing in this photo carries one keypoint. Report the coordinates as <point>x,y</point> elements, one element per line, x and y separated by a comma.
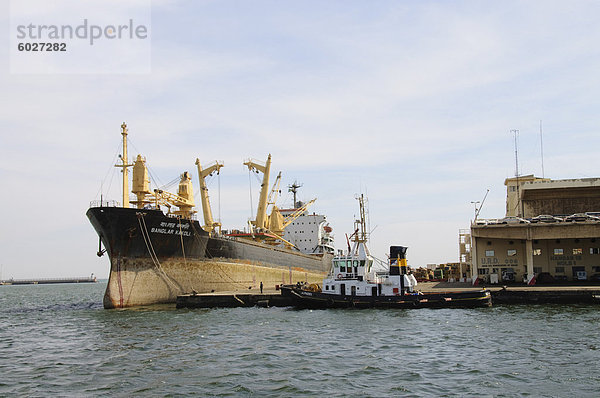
<point>105,203</point>
<point>114,203</point>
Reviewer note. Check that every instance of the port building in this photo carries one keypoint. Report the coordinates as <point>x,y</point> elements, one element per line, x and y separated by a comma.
<point>551,231</point>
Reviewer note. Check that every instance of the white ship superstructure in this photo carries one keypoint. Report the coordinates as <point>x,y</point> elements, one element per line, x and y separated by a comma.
<point>310,233</point>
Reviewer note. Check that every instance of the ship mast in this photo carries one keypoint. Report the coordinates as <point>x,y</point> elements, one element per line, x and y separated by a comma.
<point>294,189</point>
<point>124,166</point>
<point>360,226</point>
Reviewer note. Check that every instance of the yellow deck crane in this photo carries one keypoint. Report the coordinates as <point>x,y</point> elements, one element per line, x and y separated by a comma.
<point>261,221</point>
<point>184,199</point>
<point>270,228</point>
<point>209,224</point>
<point>299,211</point>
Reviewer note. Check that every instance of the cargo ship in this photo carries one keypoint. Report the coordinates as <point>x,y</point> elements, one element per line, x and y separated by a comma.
<point>159,250</point>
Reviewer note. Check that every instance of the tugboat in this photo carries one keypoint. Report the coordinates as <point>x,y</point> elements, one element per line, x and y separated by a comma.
<point>356,280</point>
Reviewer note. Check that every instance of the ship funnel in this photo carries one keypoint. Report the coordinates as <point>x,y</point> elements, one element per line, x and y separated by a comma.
<point>398,252</point>
<point>398,260</point>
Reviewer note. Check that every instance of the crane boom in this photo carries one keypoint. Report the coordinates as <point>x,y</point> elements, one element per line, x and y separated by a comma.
<point>209,224</point>
<point>261,214</point>
<point>167,198</point>
<point>271,200</point>
<point>288,220</point>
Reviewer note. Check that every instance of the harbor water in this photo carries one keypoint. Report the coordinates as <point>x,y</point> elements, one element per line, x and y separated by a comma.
<point>57,340</point>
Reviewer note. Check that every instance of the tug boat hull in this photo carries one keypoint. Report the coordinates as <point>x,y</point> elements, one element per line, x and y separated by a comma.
<point>302,298</point>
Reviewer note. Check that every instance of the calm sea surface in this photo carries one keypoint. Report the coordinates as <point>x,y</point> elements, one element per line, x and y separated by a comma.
<point>57,340</point>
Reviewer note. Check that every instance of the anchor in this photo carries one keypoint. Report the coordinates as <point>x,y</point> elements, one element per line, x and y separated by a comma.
<point>100,251</point>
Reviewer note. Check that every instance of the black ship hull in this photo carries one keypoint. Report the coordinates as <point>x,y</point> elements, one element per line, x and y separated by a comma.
<point>155,257</point>
<point>302,298</point>
<point>145,233</point>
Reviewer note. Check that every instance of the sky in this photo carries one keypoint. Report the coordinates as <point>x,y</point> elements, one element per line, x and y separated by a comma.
<point>409,102</point>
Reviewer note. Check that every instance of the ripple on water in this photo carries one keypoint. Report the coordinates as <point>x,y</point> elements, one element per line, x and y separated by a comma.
<point>61,342</point>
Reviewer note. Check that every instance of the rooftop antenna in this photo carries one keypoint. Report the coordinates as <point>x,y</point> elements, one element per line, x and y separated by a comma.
<point>294,189</point>
<point>516,133</point>
<point>542,148</point>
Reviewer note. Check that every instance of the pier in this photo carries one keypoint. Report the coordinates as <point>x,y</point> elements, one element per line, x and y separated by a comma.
<point>501,295</point>
<point>46,281</point>
<point>232,300</point>
<point>524,294</point>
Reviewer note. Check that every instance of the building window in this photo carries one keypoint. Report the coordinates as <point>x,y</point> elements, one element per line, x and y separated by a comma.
<point>511,252</point>
<point>537,270</point>
<point>594,250</point>
<point>558,252</point>
<point>483,271</point>
<point>537,252</point>
<point>559,270</point>
<point>595,269</point>
<point>578,251</point>
<point>489,253</point>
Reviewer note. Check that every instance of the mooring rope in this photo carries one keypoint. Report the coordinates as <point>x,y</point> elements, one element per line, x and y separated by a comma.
<point>181,238</point>
<point>150,247</point>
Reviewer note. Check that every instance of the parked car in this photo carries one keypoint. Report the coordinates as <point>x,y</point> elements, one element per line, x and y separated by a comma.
<point>592,217</point>
<point>546,218</point>
<point>577,217</point>
<point>513,220</point>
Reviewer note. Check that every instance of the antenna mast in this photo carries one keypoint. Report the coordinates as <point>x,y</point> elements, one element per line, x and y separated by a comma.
<point>516,133</point>
<point>294,189</point>
<point>542,148</point>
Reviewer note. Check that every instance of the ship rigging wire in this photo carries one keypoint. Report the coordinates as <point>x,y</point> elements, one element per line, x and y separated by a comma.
<point>110,168</point>
<point>154,180</point>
